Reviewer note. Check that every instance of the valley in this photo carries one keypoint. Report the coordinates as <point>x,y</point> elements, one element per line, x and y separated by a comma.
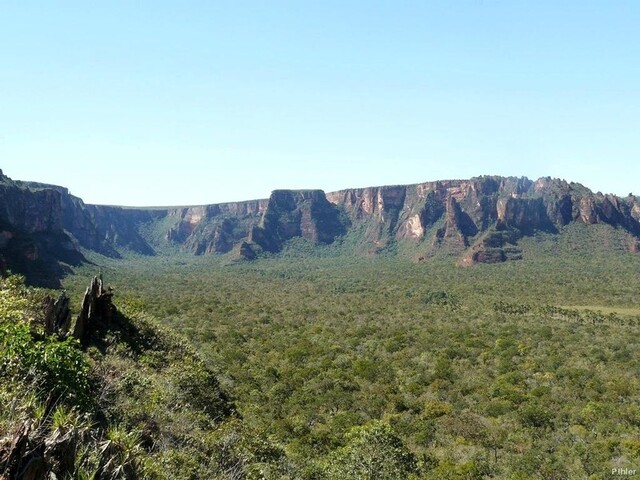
<point>499,370</point>
<point>462,329</point>
<point>320,240</point>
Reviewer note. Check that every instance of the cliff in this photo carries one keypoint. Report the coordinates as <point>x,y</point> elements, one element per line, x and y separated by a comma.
<point>483,218</point>
<point>43,228</point>
<point>289,214</point>
<point>213,228</point>
<point>33,240</point>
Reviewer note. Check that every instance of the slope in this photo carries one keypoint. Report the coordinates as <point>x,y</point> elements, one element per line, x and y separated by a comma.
<point>127,400</point>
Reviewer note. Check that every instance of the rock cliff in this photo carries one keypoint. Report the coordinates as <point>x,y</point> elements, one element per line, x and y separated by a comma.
<point>213,228</point>
<point>483,218</point>
<point>33,240</point>
<point>44,229</point>
<point>303,213</point>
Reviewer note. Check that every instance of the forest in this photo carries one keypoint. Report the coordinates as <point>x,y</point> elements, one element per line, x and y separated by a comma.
<point>376,367</point>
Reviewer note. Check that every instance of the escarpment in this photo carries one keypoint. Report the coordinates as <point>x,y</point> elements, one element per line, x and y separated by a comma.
<point>481,219</point>
<point>33,240</point>
<point>44,229</point>
<point>303,213</point>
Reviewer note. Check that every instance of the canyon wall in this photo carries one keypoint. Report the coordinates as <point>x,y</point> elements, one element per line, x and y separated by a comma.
<point>44,229</point>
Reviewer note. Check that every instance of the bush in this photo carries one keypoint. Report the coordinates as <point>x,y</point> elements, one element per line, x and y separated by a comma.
<point>372,451</point>
<point>28,355</point>
<point>441,298</point>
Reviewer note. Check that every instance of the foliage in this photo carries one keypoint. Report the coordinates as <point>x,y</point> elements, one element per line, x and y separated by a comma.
<point>139,403</point>
<point>442,299</point>
<point>372,451</point>
<point>57,367</point>
<point>516,370</point>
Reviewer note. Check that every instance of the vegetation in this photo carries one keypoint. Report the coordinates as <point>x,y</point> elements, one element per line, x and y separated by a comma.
<point>136,403</point>
<point>443,371</point>
<point>322,364</point>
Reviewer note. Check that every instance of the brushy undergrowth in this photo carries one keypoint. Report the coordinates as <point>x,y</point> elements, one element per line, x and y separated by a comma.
<point>136,403</point>
<point>483,372</point>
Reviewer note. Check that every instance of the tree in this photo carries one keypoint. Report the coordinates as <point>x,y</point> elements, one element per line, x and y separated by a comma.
<point>372,451</point>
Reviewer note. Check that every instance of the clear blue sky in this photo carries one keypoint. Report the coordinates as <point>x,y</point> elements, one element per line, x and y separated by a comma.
<point>158,103</point>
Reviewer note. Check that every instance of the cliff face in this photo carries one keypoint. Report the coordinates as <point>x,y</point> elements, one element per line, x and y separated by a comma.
<point>103,229</point>
<point>289,214</point>
<point>43,227</point>
<point>32,236</point>
<point>213,228</point>
<point>481,219</point>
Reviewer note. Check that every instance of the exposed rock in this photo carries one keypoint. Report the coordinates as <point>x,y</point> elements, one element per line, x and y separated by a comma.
<point>96,309</point>
<point>587,209</point>
<point>43,227</point>
<point>413,228</point>
<point>468,213</point>
<point>457,225</point>
<point>57,315</point>
<point>214,228</point>
<point>525,214</point>
<point>33,240</point>
<point>493,247</point>
<point>303,213</point>
<point>560,210</point>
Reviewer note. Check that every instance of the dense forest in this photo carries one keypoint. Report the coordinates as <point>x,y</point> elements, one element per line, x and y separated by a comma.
<point>375,367</point>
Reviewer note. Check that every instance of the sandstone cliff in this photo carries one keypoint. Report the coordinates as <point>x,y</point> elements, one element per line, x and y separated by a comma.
<point>43,228</point>
<point>32,236</point>
<point>303,213</point>
<point>482,218</point>
<point>213,228</point>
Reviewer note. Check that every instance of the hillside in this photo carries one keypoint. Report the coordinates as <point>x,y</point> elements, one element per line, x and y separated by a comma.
<point>112,395</point>
<point>45,229</point>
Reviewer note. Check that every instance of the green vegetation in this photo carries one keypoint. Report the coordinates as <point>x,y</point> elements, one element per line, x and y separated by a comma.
<point>136,403</point>
<point>443,371</point>
<point>319,364</point>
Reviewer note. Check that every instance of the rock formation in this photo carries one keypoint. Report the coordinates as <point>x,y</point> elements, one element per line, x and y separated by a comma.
<point>96,309</point>
<point>33,240</point>
<point>44,229</point>
<point>289,214</point>
<point>57,315</point>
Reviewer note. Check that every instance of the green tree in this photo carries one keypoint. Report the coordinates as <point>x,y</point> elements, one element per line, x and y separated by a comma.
<point>373,451</point>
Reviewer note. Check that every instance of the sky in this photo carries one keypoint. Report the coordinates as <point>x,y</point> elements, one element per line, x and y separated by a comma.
<point>196,102</point>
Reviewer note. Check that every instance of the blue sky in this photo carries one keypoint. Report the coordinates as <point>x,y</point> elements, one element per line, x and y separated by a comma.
<point>164,103</point>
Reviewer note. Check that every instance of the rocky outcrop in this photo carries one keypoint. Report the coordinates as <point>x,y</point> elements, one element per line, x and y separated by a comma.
<point>494,246</point>
<point>300,213</point>
<point>33,240</point>
<point>213,228</point>
<point>97,309</point>
<point>43,228</point>
<point>57,315</point>
<point>100,228</point>
<point>482,218</point>
<point>525,214</point>
<point>458,226</point>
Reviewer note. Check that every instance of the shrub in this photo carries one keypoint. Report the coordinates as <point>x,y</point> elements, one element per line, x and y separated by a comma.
<point>372,451</point>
